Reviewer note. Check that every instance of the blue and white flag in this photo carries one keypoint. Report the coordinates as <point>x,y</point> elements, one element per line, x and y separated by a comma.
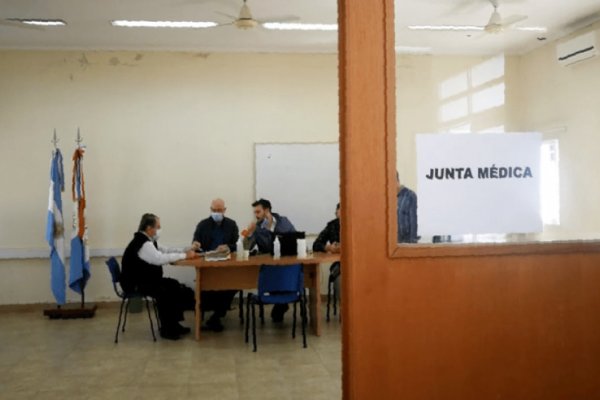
<point>55,229</point>
<point>80,255</point>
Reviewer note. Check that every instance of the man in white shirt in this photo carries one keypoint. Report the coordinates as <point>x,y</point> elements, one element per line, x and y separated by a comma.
<point>143,273</point>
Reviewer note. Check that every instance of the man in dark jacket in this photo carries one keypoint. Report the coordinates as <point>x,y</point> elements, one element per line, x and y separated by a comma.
<point>329,241</point>
<point>407,214</point>
<point>216,232</point>
<point>329,238</point>
<point>262,232</point>
<point>143,273</point>
<point>267,225</point>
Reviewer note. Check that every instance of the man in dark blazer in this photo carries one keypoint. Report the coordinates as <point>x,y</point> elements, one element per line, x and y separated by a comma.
<point>216,232</point>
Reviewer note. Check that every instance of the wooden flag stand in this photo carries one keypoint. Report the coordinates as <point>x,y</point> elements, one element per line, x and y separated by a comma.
<point>72,311</point>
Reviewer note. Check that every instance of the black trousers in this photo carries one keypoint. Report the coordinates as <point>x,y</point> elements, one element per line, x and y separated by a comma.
<point>170,300</point>
<point>218,301</point>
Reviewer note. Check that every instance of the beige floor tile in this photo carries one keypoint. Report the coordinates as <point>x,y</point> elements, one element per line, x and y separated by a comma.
<point>77,359</point>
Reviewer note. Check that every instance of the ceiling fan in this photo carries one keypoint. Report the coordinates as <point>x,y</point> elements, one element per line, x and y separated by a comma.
<point>245,20</point>
<point>495,25</point>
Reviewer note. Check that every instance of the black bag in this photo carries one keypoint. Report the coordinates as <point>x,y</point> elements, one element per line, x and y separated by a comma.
<point>288,241</point>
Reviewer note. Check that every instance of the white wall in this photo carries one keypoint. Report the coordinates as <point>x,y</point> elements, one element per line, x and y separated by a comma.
<point>564,103</point>
<point>166,133</point>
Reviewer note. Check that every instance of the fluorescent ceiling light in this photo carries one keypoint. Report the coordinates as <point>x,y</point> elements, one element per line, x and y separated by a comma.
<point>445,28</point>
<point>40,22</point>
<point>298,26</point>
<point>467,28</point>
<point>164,24</point>
<point>413,50</point>
<point>531,29</point>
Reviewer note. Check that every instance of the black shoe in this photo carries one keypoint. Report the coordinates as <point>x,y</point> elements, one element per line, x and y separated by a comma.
<point>169,334</point>
<point>213,324</point>
<point>278,312</point>
<point>182,330</point>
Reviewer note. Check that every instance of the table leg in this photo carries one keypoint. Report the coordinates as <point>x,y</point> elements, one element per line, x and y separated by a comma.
<point>314,299</point>
<point>198,321</point>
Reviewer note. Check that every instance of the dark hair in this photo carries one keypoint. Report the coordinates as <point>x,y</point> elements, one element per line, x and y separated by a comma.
<point>338,206</point>
<point>266,204</point>
<point>148,221</point>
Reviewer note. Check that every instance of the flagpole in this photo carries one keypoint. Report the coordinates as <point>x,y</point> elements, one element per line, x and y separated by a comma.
<point>82,311</point>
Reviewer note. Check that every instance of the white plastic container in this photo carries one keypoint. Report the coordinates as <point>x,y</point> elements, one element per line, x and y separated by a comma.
<point>301,248</point>
<point>239,249</point>
<point>276,249</point>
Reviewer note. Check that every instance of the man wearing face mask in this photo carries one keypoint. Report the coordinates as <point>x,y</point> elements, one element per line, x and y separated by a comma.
<point>216,232</point>
<point>143,273</point>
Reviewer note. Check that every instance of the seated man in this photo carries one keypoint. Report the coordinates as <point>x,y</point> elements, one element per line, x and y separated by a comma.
<point>143,273</point>
<point>267,225</point>
<point>262,232</point>
<point>216,232</point>
<point>329,241</point>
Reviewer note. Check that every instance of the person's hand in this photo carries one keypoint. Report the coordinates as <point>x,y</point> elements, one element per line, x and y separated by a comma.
<point>191,254</point>
<point>196,245</point>
<point>333,248</point>
<point>223,247</point>
<point>251,228</point>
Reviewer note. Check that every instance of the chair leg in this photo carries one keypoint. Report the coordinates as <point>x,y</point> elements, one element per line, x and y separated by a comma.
<point>304,317</point>
<point>119,321</point>
<point>150,318</point>
<point>334,298</point>
<point>294,322</point>
<point>156,314</point>
<point>328,299</point>
<point>241,306</point>
<point>248,301</point>
<point>253,328</point>
<point>126,312</point>
<point>261,310</point>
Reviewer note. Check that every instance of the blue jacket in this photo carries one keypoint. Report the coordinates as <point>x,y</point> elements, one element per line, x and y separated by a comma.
<point>407,216</point>
<point>264,238</point>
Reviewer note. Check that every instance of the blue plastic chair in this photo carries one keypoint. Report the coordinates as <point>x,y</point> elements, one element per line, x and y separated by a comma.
<point>278,285</point>
<point>115,272</point>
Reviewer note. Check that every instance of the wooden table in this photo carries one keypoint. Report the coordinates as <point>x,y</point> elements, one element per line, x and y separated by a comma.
<point>239,275</point>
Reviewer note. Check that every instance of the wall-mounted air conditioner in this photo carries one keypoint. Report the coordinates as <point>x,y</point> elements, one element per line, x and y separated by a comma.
<point>578,49</point>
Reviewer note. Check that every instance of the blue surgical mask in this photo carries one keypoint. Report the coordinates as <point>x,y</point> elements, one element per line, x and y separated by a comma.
<point>216,216</point>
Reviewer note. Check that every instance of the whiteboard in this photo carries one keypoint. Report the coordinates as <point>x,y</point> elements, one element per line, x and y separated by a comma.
<point>302,181</point>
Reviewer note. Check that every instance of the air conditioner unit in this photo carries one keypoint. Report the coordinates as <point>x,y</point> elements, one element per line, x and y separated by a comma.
<point>578,49</point>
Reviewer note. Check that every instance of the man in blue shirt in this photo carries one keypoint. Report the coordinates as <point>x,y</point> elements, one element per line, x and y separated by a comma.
<point>407,214</point>
<point>262,232</point>
<point>216,232</point>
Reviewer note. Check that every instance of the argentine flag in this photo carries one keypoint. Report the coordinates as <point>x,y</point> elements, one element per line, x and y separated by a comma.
<point>55,228</point>
<point>80,256</point>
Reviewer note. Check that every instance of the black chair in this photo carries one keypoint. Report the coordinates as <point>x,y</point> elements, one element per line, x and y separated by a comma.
<point>115,272</point>
<point>334,274</point>
<point>278,285</point>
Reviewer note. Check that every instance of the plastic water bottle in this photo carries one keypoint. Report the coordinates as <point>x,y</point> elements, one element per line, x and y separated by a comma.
<point>301,248</point>
<point>239,249</point>
<point>276,249</point>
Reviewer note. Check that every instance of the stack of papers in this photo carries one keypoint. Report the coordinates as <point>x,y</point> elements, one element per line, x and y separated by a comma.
<point>216,255</point>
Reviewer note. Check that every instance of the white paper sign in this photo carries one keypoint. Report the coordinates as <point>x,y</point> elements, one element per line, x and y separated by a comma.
<point>478,183</point>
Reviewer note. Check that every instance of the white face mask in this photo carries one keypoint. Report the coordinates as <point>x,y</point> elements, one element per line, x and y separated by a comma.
<point>216,216</point>
<point>157,235</point>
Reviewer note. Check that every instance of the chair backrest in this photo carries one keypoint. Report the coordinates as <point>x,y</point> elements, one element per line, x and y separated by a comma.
<point>280,278</point>
<point>115,269</point>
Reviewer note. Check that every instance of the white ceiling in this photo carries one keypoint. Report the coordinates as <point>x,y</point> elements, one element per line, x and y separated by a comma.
<point>89,24</point>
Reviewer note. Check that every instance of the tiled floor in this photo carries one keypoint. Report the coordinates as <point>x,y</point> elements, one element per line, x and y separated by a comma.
<point>77,359</point>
